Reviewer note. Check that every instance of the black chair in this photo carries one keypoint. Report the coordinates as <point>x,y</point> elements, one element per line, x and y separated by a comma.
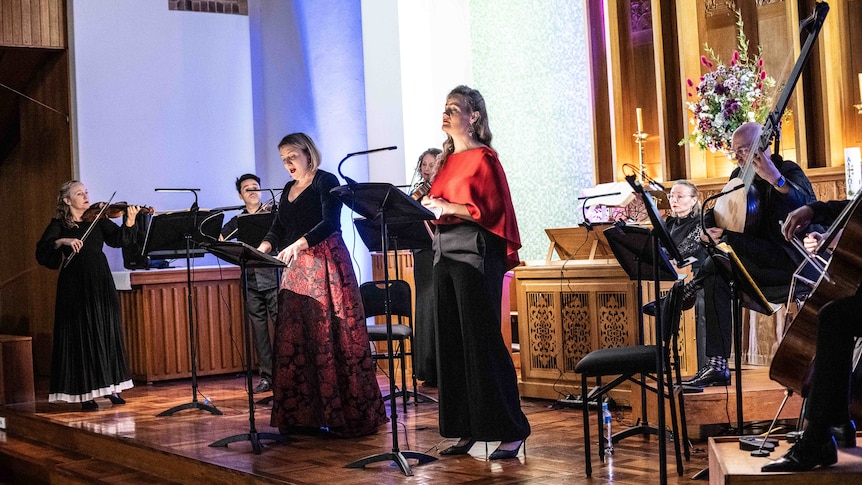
<point>401,309</point>
<point>637,364</point>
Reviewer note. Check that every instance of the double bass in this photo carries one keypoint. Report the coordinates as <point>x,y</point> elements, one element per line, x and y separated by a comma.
<point>840,277</point>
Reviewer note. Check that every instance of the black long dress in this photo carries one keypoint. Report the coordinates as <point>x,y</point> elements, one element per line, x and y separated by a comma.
<point>89,357</point>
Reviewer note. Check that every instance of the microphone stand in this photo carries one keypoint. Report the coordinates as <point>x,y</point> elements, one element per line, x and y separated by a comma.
<point>194,404</point>
<point>584,207</point>
<point>349,180</point>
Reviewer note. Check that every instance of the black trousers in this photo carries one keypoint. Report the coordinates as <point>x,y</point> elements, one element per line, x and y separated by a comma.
<point>262,307</point>
<point>424,333</point>
<point>838,322</point>
<point>477,384</point>
<point>769,266</point>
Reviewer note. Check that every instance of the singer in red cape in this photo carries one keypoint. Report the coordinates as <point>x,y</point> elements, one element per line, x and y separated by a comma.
<point>476,242</point>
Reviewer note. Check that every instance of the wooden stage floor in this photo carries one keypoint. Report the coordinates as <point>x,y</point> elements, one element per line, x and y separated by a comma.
<point>130,444</point>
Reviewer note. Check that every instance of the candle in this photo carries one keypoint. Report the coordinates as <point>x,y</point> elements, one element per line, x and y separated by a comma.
<point>860,85</point>
<point>641,118</point>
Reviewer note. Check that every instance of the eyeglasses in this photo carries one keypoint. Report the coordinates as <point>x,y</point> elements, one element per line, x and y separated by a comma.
<point>679,196</point>
<point>738,153</point>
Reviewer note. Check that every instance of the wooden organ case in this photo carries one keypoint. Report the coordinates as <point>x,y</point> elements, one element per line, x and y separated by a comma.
<point>581,302</point>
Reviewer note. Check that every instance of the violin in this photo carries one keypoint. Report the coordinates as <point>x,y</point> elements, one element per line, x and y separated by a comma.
<point>420,190</point>
<point>112,211</point>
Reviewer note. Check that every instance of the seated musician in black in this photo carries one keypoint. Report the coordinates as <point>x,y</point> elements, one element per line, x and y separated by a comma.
<point>782,186</point>
<point>827,409</point>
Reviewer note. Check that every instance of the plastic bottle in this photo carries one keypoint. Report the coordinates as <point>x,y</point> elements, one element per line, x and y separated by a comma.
<point>606,419</point>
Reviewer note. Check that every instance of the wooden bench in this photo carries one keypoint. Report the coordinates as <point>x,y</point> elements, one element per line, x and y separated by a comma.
<point>16,369</point>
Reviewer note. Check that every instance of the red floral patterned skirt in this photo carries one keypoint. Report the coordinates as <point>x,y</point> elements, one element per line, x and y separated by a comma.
<point>323,371</point>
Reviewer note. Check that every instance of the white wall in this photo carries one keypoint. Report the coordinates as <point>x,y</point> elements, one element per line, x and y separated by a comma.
<point>160,99</point>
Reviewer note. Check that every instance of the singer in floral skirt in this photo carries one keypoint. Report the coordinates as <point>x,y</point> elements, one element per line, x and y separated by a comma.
<point>324,375</point>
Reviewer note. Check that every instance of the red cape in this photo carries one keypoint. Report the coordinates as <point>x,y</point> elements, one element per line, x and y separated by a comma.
<point>476,179</point>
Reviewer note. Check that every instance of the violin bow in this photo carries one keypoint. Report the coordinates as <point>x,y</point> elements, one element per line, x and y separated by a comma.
<point>90,229</point>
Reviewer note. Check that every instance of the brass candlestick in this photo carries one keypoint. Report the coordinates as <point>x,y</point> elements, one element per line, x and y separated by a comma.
<point>640,139</point>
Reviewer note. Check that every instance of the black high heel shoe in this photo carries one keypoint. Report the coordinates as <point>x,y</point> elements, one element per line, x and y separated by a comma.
<point>458,450</point>
<point>499,454</point>
<point>116,400</point>
<point>89,405</point>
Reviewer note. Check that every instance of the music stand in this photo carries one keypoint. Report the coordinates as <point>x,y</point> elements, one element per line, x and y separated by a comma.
<point>245,256</point>
<point>638,248</point>
<point>405,235</point>
<point>393,208</point>
<point>171,235</point>
<point>744,292</point>
<point>252,228</point>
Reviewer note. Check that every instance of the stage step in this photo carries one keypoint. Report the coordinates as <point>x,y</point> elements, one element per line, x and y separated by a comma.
<point>761,398</point>
<point>730,465</point>
<point>24,461</point>
<point>78,455</point>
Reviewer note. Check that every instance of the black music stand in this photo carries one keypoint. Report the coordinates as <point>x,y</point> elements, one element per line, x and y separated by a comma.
<point>251,229</point>
<point>171,235</point>
<point>633,248</point>
<point>245,256</point>
<point>393,208</point>
<point>406,235</point>
<point>639,248</point>
<point>744,292</point>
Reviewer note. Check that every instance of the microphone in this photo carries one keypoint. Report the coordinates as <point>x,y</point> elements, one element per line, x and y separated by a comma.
<point>653,183</point>
<point>228,208</point>
<point>272,197</point>
<point>349,180</point>
<point>587,223</point>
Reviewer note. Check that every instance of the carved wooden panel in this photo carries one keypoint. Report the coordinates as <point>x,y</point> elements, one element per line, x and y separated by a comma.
<point>564,314</point>
<point>577,332</point>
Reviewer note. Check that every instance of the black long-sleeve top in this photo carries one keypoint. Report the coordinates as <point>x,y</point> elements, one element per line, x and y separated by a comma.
<point>315,214</point>
<point>774,206</point>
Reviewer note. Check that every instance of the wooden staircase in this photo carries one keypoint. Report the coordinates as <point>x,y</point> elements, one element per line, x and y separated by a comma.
<point>75,455</point>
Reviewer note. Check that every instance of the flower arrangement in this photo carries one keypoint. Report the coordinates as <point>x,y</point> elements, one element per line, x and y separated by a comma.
<point>728,95</point>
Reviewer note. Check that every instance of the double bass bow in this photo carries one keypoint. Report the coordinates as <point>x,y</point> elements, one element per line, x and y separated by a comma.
<point>740,210</point>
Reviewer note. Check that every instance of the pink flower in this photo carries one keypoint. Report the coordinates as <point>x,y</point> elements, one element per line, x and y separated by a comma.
<point>762,75</point>
<point>690,83</point>
<point>760,63</point>
<point>704,61</point>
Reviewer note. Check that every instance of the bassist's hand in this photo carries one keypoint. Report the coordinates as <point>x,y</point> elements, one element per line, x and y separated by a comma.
<point>797,221</point>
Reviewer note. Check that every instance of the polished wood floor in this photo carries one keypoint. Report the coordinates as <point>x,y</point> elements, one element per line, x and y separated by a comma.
<point>130,444</point>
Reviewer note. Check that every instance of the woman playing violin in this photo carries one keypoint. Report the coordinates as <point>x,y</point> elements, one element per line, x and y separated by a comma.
<point>88,357</point>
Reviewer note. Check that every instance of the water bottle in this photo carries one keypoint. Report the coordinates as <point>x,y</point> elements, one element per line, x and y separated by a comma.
<point>606,419</point>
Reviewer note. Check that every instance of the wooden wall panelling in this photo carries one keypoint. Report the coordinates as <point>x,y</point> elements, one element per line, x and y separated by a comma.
<point>33,23</point>
<point>604,172</point>
<point>853,94</point>
<point>35,168</point>
<point>837,120</point>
